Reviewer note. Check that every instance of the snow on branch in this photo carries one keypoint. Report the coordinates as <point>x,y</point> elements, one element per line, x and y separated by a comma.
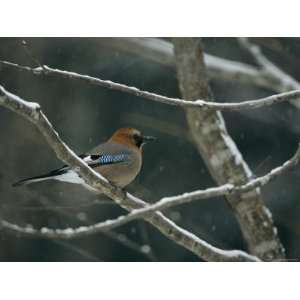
<point>221,155</point>
<point>248,104</point>
<point>33,113</point>
<point>164,203</point>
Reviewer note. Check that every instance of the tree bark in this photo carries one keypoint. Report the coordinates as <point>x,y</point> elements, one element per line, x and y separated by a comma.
<point>221,156</point>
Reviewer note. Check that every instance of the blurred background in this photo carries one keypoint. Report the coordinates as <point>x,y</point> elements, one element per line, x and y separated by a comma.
<point>86,115</point>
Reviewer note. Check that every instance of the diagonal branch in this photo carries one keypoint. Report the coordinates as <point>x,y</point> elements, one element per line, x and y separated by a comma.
<point>33,113</point>
<point>164,203</point>
<point>205,105</point>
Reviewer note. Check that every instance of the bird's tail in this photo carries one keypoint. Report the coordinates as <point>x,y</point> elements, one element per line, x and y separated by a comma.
<point>32,180</point>
<point>52,175</point>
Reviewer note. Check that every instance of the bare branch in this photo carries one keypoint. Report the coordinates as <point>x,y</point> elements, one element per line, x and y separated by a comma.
<point>162,204</point>
<point>162,52</point>
<point>223,190</point>
<point>206,105</point>
<point>32,112</point>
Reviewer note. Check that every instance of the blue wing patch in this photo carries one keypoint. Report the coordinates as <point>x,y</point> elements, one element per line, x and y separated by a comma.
<point>107,159</point>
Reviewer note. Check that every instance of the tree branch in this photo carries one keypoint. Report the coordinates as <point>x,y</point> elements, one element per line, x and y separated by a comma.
<point>33,112</point>
<point>162,204</point>
<point>199,103</point>
<point>162,52</point>
<point>220,154</point>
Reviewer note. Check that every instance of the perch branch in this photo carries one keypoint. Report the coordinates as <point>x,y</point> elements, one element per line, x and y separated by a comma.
<point>162,204</point>
<point>33,113</point>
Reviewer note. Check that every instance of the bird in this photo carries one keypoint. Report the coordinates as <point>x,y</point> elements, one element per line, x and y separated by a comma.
<point>119,160</point>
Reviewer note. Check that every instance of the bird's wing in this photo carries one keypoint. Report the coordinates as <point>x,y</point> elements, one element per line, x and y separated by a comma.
<point>104,154</point>
<point>109,154</point>
<point>96,160</point>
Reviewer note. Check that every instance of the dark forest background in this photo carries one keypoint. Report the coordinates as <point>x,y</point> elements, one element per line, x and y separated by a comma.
<point>86,115</point>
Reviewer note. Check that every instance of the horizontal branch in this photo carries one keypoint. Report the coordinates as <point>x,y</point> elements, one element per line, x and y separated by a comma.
<point>248,104</point>
<point>162,52</point>
<point>223,190</point>
<point>164,203</point>
<point>33,112</point>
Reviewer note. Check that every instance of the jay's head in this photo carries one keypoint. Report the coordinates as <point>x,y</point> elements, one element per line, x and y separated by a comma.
<point>131,137</point>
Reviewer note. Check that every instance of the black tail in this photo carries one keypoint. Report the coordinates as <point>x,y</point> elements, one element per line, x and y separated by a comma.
<point>31,180</point>
<point>48,176</point>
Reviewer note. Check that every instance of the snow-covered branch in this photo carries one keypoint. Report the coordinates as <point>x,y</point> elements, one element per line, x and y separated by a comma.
<point>220,153</point>
<point>202,104</point>
<point>33,112</point>
<point>162,204</point>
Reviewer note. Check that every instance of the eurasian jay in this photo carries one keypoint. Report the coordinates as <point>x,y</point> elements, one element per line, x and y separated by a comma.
<point>119,160</point>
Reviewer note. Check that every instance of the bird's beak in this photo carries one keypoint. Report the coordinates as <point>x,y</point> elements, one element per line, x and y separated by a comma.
<point>147,139</point>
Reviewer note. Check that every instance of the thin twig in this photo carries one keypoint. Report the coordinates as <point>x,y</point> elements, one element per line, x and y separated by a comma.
<point>228,106</point>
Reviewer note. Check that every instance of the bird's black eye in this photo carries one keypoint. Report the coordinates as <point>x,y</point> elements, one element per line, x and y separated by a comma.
<point>138,139</point>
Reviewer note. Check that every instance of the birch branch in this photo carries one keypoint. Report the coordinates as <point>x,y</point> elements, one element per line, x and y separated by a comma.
<point>33,113</point>
<point>205,105</point>
<point>162,204</point>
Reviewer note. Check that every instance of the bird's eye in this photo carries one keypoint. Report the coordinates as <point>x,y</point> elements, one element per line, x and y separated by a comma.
<point>138,139</point>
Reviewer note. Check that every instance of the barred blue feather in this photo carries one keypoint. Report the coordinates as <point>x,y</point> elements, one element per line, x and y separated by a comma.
<point>107,159</point>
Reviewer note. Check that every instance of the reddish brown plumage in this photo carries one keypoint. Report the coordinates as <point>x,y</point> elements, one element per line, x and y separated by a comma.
<point>126,136</point>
